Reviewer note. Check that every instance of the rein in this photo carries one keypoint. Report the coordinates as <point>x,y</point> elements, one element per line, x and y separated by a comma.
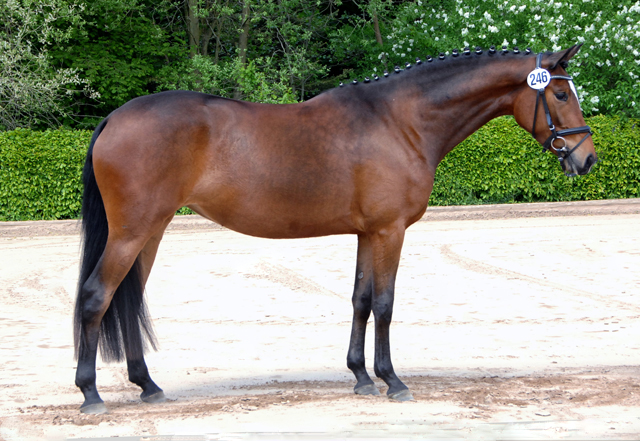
<point>562,152</point>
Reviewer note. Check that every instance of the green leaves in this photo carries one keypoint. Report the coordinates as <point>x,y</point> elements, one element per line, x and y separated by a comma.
<point>259,80</point>
<point>118,50</point>
<point>606,70</point>
<point>40,172</point>
<point>32,91</point>
<point>501,163</point>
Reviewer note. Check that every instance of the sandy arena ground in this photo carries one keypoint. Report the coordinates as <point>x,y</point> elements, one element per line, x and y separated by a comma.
<point>517,322</point>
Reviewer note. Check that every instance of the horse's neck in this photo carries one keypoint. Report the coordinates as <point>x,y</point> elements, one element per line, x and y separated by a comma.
<point>460,102</point>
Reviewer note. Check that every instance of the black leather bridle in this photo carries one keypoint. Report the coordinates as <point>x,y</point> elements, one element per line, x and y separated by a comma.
<point>562,152</point>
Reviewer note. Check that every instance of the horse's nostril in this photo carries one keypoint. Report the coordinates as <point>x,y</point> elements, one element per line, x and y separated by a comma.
<point>591,159</point>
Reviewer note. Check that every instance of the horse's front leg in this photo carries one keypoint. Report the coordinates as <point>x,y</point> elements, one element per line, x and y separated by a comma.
<point>386,245</point>
<point>361,301</point>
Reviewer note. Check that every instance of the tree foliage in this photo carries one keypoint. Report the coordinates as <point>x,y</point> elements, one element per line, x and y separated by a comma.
<point>606,70</point>
<point>119,48</point>
<point>73,61</point>
<point>32,91</point>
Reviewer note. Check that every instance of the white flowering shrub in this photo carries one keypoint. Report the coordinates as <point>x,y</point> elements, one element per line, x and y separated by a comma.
<point>32,92</point>
<point>606,70</point>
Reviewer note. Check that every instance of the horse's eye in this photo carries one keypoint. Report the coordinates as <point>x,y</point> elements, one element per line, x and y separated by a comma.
<point>562,96</point>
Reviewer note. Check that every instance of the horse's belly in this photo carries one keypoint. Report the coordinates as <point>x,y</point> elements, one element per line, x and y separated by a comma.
<point>278,221</point>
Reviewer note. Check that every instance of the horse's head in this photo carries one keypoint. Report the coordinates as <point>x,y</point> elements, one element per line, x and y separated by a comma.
<point>549,109</point>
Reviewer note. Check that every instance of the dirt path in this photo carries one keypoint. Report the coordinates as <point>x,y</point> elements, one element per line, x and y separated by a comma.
<point>512,322</point>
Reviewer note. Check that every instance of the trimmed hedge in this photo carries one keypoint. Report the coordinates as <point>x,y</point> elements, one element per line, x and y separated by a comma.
<point>500,163</point>
<point>40,174</point>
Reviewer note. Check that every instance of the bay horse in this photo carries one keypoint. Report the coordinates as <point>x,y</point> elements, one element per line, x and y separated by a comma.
<point>358,159</point>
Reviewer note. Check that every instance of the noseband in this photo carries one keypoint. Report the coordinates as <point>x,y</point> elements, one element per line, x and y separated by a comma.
<point>562,152</point>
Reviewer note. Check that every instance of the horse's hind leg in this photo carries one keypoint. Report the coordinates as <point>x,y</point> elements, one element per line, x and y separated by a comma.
<point>361,300</point>
<point>94,299</point>
<point>136,366</point>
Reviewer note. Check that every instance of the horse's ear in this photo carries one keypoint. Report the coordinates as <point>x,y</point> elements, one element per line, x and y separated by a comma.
<point>562,58</point>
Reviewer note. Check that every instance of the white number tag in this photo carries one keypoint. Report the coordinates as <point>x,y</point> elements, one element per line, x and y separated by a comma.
<point>538,78</point>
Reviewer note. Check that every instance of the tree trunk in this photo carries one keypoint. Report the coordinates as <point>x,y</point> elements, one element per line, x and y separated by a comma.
<point>193,27</point>
<point>376,29</point>
<point>243,42</point>
<point>206,36</point>
<point>207,22</point>
<point>216,57</point>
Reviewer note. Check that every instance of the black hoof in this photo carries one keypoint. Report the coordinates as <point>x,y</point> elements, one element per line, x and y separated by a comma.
<point>158,397</point>
<point>367,389</point>
<point>403,395</point>
<point>94,409</point>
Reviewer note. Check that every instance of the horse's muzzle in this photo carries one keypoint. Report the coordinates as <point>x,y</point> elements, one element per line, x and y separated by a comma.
<point>588,163</point>
<point>571,169</point>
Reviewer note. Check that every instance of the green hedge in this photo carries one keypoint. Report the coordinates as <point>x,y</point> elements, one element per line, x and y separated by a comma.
<point>500,163</point>
<point>40,173</point>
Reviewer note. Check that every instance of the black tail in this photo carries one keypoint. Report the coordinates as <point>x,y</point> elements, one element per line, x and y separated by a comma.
<point>126,320</point>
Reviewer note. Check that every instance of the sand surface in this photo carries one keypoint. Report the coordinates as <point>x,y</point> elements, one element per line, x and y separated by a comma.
<point>517,322</point>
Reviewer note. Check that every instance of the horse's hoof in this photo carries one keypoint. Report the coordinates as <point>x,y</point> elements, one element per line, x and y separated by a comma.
<point>367,389</point>
<point>158,397</point>
<point>403,395</point>
<point>94,409</point>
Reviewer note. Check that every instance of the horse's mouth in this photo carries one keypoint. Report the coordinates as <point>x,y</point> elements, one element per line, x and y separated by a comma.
<point>588,164</point>
<point>570,169</point>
